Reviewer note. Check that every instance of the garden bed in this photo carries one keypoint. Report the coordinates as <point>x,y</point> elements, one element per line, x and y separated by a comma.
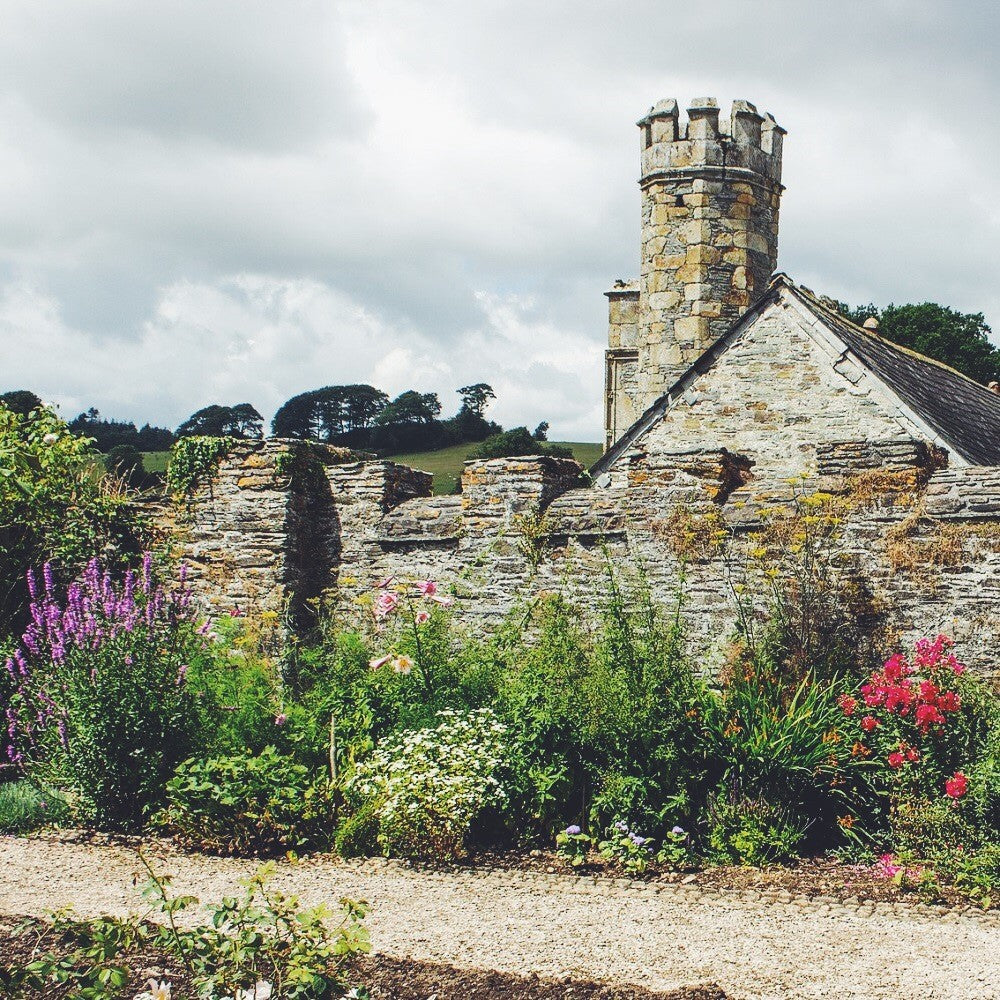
<point>385,978</point>
<point>395,979</point>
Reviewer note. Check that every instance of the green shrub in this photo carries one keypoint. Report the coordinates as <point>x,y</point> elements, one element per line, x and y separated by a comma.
<point>516,442</point>
<point>239,689</point>
<point>247,804</point>
<point>357,834</point>
<point>642,723</point>
<point>429,785</point>
<point>25,807</point>
<point>604,719</point>
<point>930,830</point>
<point>977,874</point>
<point>753,831</point>
<point>55,507</point>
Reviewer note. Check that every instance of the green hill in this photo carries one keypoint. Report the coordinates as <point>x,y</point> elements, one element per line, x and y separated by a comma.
<point>445,465</point>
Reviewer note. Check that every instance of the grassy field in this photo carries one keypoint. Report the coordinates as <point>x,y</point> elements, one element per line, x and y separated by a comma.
<point>155,461</point>
<point>445,465</point>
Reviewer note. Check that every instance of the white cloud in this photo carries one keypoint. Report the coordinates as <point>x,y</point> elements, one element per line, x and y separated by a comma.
<point>263,339</point>
<point>245,199</point>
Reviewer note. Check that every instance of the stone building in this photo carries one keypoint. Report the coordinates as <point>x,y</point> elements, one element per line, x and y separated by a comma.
<point>734,395</point>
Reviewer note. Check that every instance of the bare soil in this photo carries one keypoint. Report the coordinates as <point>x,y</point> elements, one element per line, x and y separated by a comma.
<point>384,977</point>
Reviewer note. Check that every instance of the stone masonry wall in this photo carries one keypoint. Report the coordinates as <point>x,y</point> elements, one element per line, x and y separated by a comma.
<point>922,540</point>
<point>776,394</point>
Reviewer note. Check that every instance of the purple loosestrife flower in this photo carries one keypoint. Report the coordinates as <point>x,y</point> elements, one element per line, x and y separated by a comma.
<point>572,830</point>
<point>75,641</point>
<point>679,831</point>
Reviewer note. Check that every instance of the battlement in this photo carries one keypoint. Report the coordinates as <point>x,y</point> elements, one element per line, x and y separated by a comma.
<point>707,144</point>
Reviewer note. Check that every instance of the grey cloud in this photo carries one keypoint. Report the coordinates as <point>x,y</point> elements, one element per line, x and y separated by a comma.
<point>247,73</point>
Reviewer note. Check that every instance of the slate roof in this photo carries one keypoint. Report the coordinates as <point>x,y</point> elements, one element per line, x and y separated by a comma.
<point>964,413</point>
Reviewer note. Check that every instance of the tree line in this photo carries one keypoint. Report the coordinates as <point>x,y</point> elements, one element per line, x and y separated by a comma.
<point>358,415</point>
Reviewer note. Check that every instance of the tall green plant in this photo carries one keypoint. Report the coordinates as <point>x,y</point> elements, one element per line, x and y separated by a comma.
<point>784,760</point>
<point>55,506</point>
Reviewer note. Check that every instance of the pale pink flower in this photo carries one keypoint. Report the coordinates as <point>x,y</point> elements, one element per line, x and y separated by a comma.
<point>445,602</point>
<point>385,604</point>
<point>387,582</point>
<point>402,664</point>
<point>422,616</point>
<point>380,661</point>
<point>427,587</point>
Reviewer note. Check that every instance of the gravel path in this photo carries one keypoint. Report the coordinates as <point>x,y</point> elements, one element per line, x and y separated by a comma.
<point>659,936</point>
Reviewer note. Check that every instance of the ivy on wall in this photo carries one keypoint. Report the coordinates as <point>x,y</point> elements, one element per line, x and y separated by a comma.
<point>191,459</point>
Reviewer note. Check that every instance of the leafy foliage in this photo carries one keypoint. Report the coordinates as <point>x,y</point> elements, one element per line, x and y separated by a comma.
<point>260,941</point>
<point>53,507</point>
<point>193,458</point>
<point>21,401</point>
<point>518,441</point>
<point>255,804</point>
<point>956,338</point>
<point>785,766</point>
<point>126,461</point>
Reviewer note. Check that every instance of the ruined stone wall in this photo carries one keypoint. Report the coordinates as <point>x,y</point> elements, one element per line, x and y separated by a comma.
<point>922,541</point>
<point>709,240</point>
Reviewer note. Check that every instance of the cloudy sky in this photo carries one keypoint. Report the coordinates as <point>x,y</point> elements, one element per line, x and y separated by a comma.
<point>226,200</point>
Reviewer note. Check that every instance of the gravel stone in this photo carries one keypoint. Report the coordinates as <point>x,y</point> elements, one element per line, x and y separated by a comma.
<point>660,937</point>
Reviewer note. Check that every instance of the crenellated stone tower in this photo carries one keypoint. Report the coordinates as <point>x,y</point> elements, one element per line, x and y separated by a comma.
<point>710,195</point>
